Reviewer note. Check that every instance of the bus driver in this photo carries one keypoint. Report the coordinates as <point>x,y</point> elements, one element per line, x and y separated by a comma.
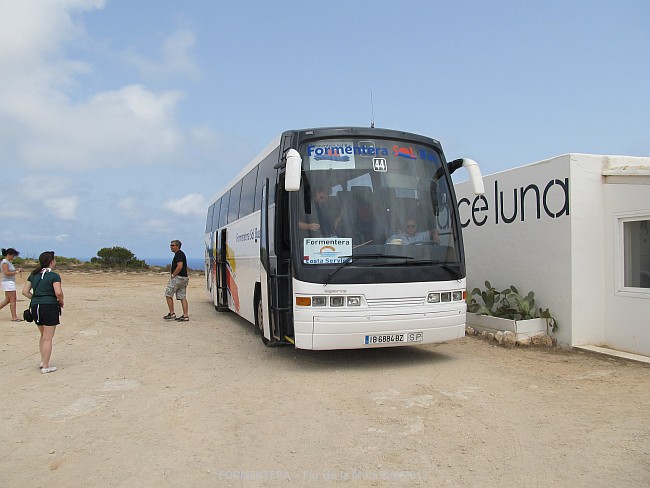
<point>411,234</point>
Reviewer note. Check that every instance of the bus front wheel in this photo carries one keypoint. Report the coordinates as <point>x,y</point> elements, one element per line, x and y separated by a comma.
<point>259,321</point>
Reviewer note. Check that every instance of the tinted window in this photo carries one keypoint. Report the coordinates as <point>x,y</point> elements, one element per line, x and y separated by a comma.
<point>247,202</point>
<point>233,208</point>
<point>215,215</point>
<point>267,170</point>
<point>208,220</point>
<point>223,218</point>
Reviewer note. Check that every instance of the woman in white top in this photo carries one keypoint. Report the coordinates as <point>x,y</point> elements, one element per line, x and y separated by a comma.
<point>9,282</point>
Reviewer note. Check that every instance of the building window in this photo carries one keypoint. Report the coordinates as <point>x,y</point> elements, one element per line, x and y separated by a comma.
<point>636,253</point>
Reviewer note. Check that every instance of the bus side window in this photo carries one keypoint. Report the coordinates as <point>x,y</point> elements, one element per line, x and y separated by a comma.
<point>267,170</point>
<point>247,202</point>
<point>208,220</point>
<point>233,208</point>
<point>223,218</point>
<point>215,215</point>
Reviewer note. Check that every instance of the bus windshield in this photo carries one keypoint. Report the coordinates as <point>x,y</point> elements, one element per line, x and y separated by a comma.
<point>385,198</point>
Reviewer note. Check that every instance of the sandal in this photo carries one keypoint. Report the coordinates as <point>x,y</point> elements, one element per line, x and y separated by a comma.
<point>16,320</point>
<point>170,316</point>
<point>183,318</point>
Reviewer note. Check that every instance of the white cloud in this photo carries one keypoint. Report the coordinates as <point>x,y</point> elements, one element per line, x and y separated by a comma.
<point>31,34</point>
<point>41,126</point>
<point>77,151</point>
<point>176,50</point>
<point>193,204</point>
<point>117,128</point>
<point>62,208</point>
<point>129,208</point>
<point>156,226</point>
<point>205,135</point>
<point>176,57</point>
<point>127,204</point>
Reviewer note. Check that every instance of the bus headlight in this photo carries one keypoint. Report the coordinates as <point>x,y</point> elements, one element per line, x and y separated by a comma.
<point>354,301</point>
<point>332,301</point>
<point>433,298</point>
<point>446,296</point>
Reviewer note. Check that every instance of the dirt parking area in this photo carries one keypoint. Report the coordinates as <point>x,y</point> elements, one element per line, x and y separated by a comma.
<point>138,401</point>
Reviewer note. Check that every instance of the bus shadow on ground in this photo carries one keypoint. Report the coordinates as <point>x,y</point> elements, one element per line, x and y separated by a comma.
<point>363,359</point>
<point>372,358</point>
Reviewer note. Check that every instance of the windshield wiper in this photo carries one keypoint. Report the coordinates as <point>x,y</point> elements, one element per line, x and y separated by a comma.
<point>352,259</point>
<point>444,266</point>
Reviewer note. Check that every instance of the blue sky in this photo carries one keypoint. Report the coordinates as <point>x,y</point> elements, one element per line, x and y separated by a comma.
<point>120,119</point>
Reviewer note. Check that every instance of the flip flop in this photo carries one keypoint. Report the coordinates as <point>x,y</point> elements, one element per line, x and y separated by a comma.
<point>16,320</point>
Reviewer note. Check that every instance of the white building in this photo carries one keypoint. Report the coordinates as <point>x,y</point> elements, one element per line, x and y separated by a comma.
<point>575,229</point>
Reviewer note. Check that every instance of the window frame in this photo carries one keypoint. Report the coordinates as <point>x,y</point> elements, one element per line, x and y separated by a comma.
<point>621,219</point>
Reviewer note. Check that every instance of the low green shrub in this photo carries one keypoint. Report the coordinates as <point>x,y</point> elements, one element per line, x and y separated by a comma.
<point>508,304</point>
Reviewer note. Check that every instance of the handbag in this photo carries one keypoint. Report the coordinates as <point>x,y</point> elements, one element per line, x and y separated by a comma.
<point>27,314</point>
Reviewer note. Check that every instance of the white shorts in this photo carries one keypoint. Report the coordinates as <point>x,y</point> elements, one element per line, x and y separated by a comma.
<point>9,285</point>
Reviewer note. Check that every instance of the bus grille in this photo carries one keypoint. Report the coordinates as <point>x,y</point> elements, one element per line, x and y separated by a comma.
<point>409,302</point>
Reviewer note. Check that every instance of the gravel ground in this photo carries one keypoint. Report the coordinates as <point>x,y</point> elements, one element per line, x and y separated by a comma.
<point>139,402</point>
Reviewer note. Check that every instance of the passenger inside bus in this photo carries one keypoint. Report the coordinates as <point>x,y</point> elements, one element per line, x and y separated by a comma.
<point>359,219</point>
<point>324,216</point>
<point>411,235</point>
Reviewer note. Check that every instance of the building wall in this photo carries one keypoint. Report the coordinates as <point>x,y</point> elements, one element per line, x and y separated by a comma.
<point>587,250</point>
<point>627,313</point>
<point>564,244</point>
<point>527,245</point>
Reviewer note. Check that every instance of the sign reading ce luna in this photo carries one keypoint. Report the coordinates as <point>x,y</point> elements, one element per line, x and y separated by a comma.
<point>516,204</point>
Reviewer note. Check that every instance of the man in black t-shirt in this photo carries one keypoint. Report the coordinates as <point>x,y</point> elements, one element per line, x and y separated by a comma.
<point>177,283</point>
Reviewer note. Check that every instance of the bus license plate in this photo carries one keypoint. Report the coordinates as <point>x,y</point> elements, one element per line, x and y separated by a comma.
<point>393,338</point>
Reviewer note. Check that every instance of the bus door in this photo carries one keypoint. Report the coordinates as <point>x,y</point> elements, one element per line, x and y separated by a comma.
<point>277,324</point>
<point>263,312</point>
<point>222,276</point>
<point>283,289</point>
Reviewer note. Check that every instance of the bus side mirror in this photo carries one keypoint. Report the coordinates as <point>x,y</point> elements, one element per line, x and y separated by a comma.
<point>473,171</point>
<point>475,177</point>
<point>293,171</point>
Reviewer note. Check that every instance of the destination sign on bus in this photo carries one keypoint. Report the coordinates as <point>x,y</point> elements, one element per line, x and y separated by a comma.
<point>342,154</point>
<point>327,250</point>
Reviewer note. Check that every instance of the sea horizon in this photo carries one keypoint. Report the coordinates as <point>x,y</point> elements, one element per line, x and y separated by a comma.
<point>192,263</point>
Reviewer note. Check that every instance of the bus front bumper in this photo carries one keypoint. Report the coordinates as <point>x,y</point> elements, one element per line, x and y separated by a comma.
<point>346,332</point>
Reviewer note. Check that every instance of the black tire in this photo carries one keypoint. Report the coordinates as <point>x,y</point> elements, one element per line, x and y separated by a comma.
<point>259,321</point>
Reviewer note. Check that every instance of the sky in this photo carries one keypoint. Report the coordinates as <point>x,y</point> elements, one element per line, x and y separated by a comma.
<point>121,119</point>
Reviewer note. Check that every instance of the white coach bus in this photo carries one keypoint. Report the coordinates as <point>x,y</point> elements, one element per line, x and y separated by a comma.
<point>342,238</point>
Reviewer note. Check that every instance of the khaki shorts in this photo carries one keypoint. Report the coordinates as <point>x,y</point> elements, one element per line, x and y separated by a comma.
<point>177,285</point>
